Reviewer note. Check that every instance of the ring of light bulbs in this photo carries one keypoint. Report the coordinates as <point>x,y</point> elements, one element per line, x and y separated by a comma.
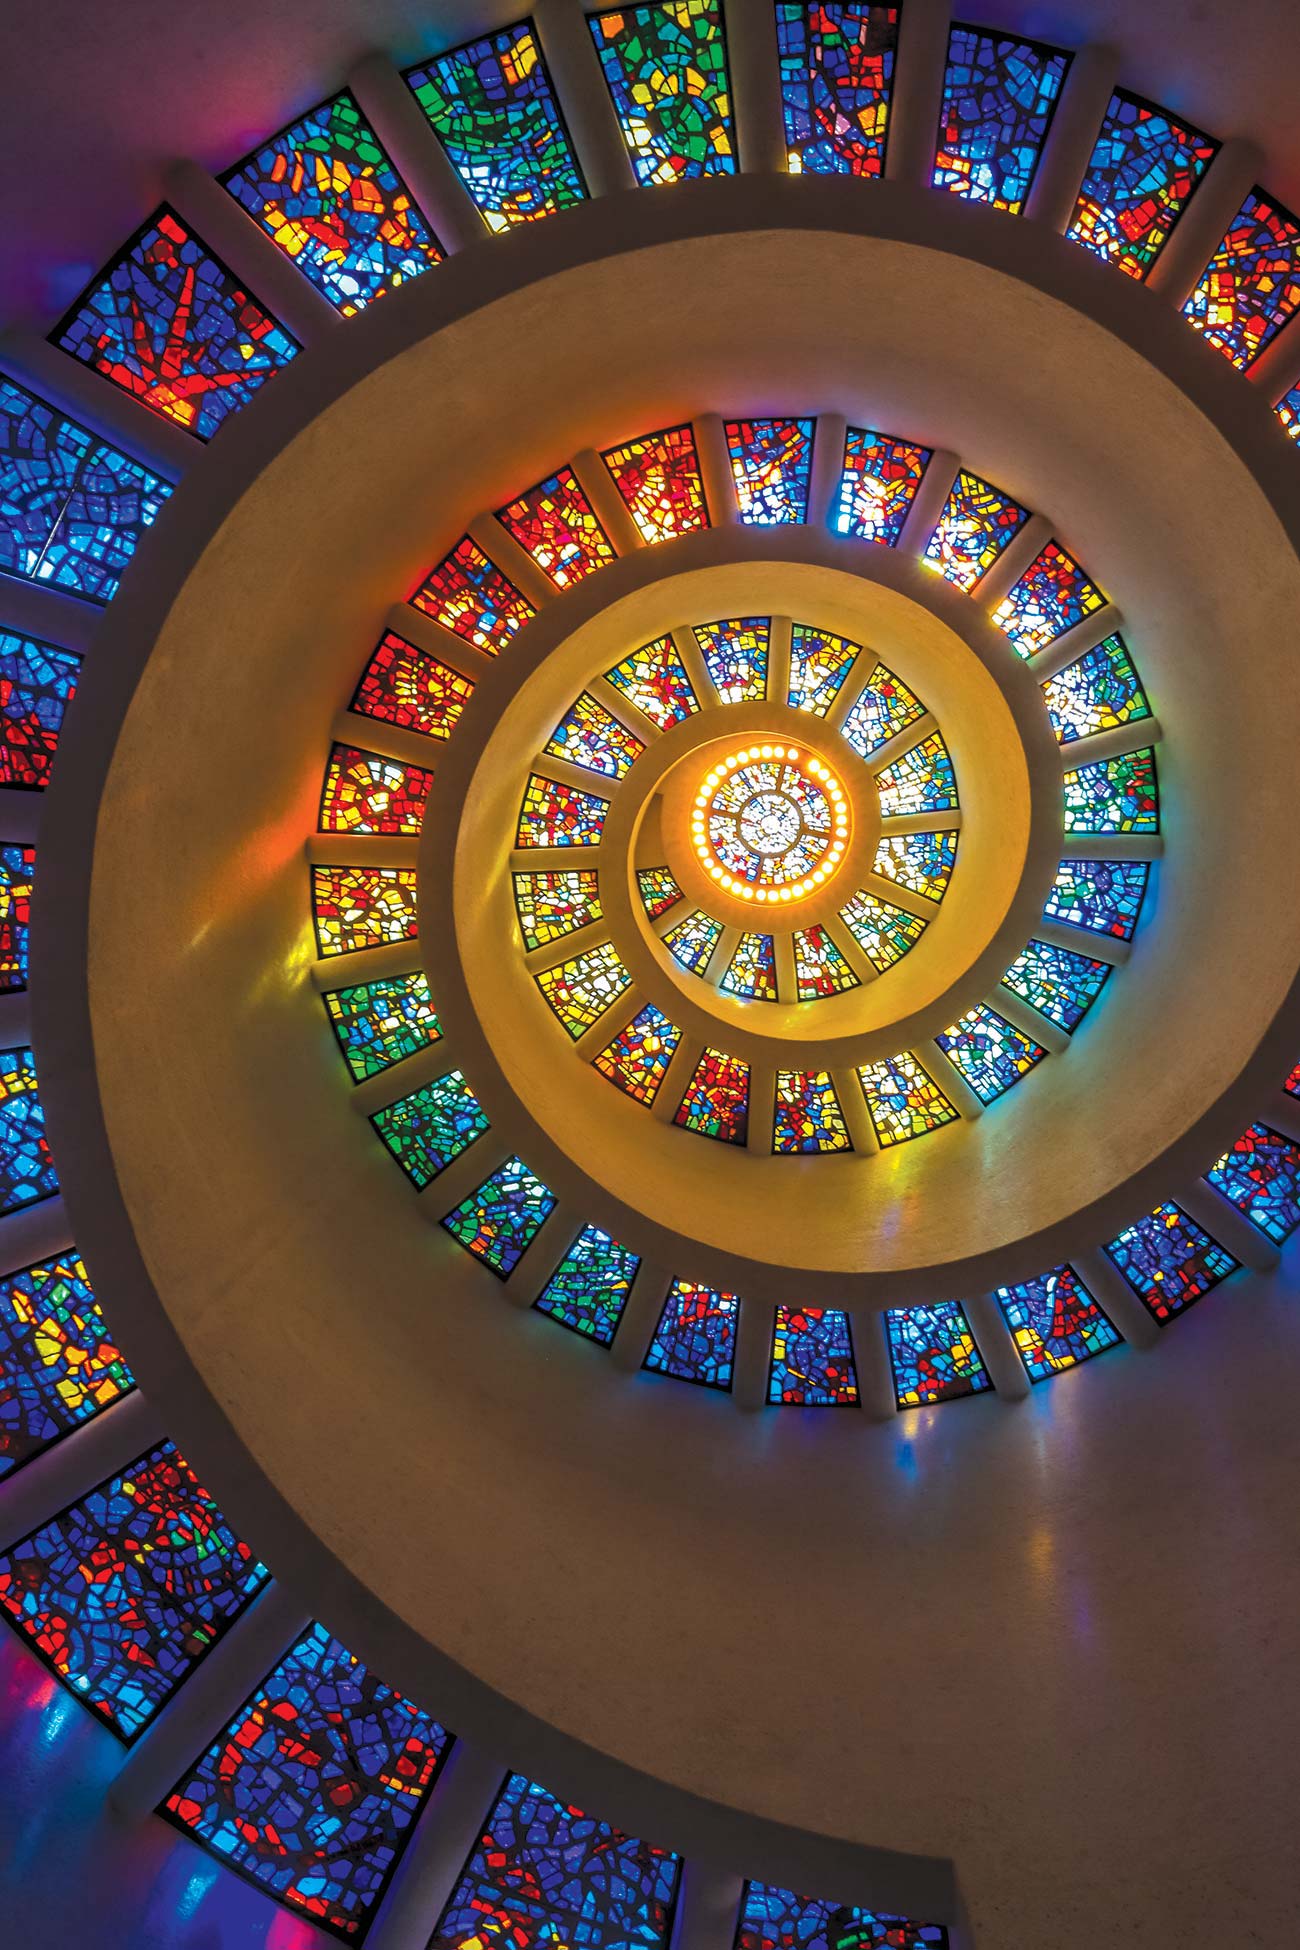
<point>814,772</point>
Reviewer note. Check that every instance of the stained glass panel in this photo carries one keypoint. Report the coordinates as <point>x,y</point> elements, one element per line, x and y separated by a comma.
<point>1260,1174</point>
<point>470,596</point>
<point>592,737</point>
<point>751,972</point>
<point>658,890</point>
<point>933,1354</point>
<point>812,1359</point>
<point>1055,1322</point>
<point>989,1052</point>
<point>580,990</point>
<point>550,905</point>
<point>921,862</point>
<point>362,907</point>
<point>326,193</point>
<point>903,1100</point>
<point>638,1058</point>
<point>884,932</point>
<point>1144,167</point>
<point>819,663</point>
<point>1104,896</point>
<point>494,111</point>
<point>312,1789</point>
<point>999,96</point>
<point>124,1591</point>
<point>666,69</point>
<point>1051,596</point>
<point>1096,693</point>
<point>878,485</point>
<point>837,75</point>
<point>588,1289</point>
<point>27,1172</point>
<point>434,1124</point>
<point>37,682</point>
<point>405,686</point>
<point>1060,984</point>
<point>170,325</point>
<point>771,466</point>
<point>59,1365</point>
<point>696,1336</point>
<point>776,1919</point>
<point>920,781</point>
<point>692,941</point>
<point>559,815</point>
<point>819,966</point>
<point>977,522</point>
<point>1251,286</point>
<point>499,1221</point>
<point>17,871</point>
<point>1169,1260</point>
<point>655,680</point>
<point>72,508</point>
<point>557,525</point>
<point>659,480</point>
<point>717,1099</point>
<point>808,1115</point>
<point>379,1023</point>
<point>366,793</point>
<point>883,707</point>
<point>1288,412</point>
<point>735,655</point>
<point>1113,795</point>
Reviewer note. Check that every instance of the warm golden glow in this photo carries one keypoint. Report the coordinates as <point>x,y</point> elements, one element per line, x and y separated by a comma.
<point>770,823</point>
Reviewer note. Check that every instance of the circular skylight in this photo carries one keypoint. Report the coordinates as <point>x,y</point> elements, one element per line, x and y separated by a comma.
<point>770,823</point>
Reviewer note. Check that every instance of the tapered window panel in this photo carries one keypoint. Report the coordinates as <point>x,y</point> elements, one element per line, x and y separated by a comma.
<point>557,525</point>
<point>716,1103</point>
<point>59,1364</point>
<point>1251,285</point>
<point>658,890</point>
<point>665,67</point>
<point>27,1172</point>
<point>588,1289</point>
<point>977,522</point>
<point>380,1023</point>
<point>692,941</point>
<point>877,486</point>
<point>735,655</point>
<point>903,1100</point>
<point>493,109</point>
<point>637,1059</point>
<point>1143,169</point>
<point>654,679</point>
<point>73,509</point>
<point>1055,1322</point>
<point>1098,692</point>
<point>559,815</point>
<point>592,737</point>
<point>772,1918</point>
<point>820,968</point>
<point>771,466</point>
<point>837,76</point>
<point>989,1052</point>
<point>884,932</point>
<point>1292,1084</point>
<point>812,1359</point>
<point>658,478</point>
<point>933,1355</point>
<point>1113,795</point>
<point>751,972</point>
<point>499,1221</point>
<point>1169,1260</point>
<point>406,686</point>
<point>427,1129</point>
<point>17,878</point>
<point>551,905</point>
<point>921,862</point>
<point>1051,596</point>
<point>1059,983</point>
<point>820,661</point>
<point>580,990</point>
<point>123,1592</point>
<point>170,325</point>
<point>1103,896</point>
<point>366,793</point>
<point>921,781</point>
<point>808,1114</point>
<point>312,1789</point>
<point>999,96</point>
<point>362,907</point>
<point>543,1875</point>
<point>470,596</point>
<point>1260,1173</point>
<point>37,683</point>
<point>882,709</point>
<point>326,192</point>
<point>696,1336</point>
<point>1288,412</point>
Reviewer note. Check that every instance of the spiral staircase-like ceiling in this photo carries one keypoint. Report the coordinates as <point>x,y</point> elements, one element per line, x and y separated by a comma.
<point>646,749</point>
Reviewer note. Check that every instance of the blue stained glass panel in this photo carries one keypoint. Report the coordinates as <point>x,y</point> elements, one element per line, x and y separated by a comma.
<point>772,1918</point>
<point>696,1336</point>
<point>588,1289</point>
<point>999,95</point>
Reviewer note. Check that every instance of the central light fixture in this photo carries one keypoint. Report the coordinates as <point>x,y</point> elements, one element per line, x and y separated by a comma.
<point>770,823</point>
